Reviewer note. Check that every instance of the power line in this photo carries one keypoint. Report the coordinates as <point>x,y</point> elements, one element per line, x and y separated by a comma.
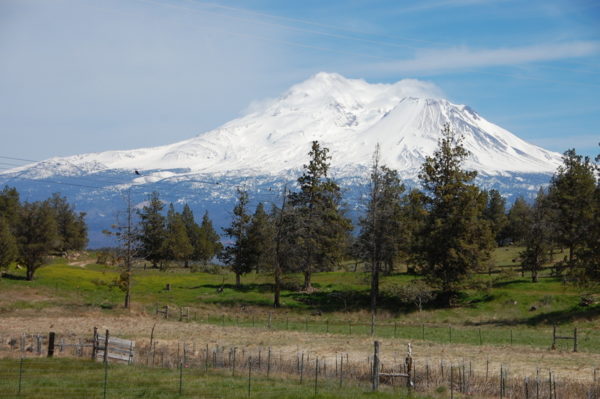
<point>18,159</point>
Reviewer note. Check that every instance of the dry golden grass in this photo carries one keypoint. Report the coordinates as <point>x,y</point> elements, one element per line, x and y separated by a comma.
<point>79,322</point>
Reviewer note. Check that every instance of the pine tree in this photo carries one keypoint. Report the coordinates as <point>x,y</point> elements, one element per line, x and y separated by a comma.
<point>588,255</point>
<point>517,221</point>
<point>176,245</point>
<point>571,201</point>
<point>9,216</point>
<point>36,235</point>
<point>8,245</point>
<point>192,229</point>
<point>495,214</point>
<point>323,228</point>
<point>71,227</point>
<point>152,230</point>
<point>238,254</point>
<point>414,216</point>
<point>457,240</point>
<point>381,226</point>
<point>10,206</point>
<point>537,238</point>
<point>209,243</point>
<point>261,239</point>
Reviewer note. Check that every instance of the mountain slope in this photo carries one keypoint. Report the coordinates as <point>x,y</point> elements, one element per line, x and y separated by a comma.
<point>269,145</point>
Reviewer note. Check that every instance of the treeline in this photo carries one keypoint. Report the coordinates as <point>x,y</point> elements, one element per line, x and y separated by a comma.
<point>161,238</point>
<point>32,231</point>
<point>444,232</point>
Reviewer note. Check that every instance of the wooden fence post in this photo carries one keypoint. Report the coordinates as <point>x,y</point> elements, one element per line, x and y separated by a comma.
<point>553,347</point>
<point>575,340</point>
<point>51,337</point>
<point>316,374</point>
<point>94,344</point>
<point>409,367</point>
<point>372,323</point>
<point>249,374</point>
<point>375,374</point>
<point>106,347</point>
<point>269,362</point>
<point>341,369</point>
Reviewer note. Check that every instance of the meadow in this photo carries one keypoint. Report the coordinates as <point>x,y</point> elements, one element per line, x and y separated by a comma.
<point>502,318</point>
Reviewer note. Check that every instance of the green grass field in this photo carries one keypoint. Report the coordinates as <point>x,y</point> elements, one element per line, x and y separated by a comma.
<point>502,308</point>
<point>69,378</point>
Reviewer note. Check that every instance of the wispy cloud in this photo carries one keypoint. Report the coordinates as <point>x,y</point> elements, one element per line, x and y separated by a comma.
<point>441,60</point>
<point>441,4</point>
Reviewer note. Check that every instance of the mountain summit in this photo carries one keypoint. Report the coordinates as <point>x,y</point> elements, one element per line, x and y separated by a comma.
<point>349,116</point>
<point>269,145</point>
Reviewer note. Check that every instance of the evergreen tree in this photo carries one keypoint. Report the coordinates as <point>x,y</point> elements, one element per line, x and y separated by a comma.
<point>517,221</point>
<point>176,245</point>
<point>36,235</point>
<point>495,214</point>
<point>588,255</point>
<point>238,254</point>
<point>71,227</point>
<point>192,229</point>
<point>414,216</point>
<point>261,239</point>
<point>457,240</point>
<point>209,243</point>
<point>152,230</point>
<point>537,239</point>
<point>8,245</point>
<point>322,225</point>
<point>10,206</point>
<point>571,201</point>
<point>381,226</point>
<point>286,251</point>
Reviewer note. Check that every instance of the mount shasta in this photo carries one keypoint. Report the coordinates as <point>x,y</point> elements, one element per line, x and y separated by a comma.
<point>267,148</point>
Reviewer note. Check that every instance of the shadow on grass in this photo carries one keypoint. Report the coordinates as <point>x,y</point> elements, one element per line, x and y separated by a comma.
<point>266,287</point>
<point>565,316</point>
<point>14,277</point>
<point>575,313</point>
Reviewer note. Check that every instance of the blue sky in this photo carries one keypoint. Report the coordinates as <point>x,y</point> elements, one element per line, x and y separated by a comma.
<point>83,76</point>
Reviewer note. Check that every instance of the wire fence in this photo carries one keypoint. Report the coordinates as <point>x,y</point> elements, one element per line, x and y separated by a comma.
<point>165,369</point>
<point>587,339</point>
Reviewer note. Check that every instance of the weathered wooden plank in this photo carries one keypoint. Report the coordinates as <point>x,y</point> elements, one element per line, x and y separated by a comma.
<point>117,341</point>
<point>116,356</point>
<point>119,350</point>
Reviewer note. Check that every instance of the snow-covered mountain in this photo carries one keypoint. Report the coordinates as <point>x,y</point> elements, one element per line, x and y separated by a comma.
<point>269,145</point>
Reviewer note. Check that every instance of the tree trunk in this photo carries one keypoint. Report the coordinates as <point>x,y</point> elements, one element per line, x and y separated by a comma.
<point>30,272</point>
<point>307,276</point>
<point>374,285</point>
<point>277,294</point>
<point>534,275</point>
<point>186,263</point>
<point>238,281</point>
<point>571,255</point>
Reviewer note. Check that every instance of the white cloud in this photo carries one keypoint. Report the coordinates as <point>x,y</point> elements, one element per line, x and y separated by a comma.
<point>438,60</point>
<point>418,88</point>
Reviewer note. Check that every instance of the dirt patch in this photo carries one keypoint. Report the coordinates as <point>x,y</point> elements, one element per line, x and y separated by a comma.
<point>23,294</point>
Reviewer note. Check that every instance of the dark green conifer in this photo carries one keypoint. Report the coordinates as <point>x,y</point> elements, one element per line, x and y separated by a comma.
<point>456,238</point>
